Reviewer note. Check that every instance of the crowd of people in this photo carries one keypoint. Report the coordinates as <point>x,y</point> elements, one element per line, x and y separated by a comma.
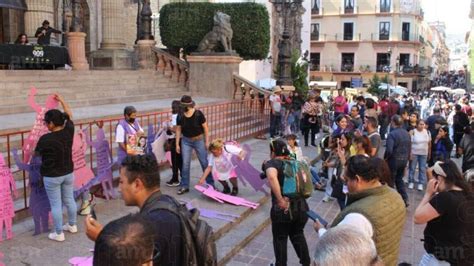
<point>451,79</point>
<point>366,147</point>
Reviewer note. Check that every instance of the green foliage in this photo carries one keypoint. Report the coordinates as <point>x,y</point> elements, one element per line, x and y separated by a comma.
<point>374,85</point>
<point>299,75</point>
<point>183,25</point>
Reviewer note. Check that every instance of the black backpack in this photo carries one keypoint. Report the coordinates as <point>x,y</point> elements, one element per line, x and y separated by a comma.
<point>200,246</point>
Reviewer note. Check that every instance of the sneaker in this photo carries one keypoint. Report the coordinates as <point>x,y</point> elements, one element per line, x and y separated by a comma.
<point>234,192</point>
<point>85,209</point>
<point>411,185</point>
<point>327,198</point>
<point>173,183</point>
<point>226,190</point>
<point>56,237</point>
<point>70,228</point>
<point>420,187</point>
<point>183,190</point>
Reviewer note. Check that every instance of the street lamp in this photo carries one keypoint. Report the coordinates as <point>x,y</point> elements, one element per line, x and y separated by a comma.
<point>285,8</point>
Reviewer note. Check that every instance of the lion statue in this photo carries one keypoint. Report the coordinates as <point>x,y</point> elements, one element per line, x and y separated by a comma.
<point>221,34</point>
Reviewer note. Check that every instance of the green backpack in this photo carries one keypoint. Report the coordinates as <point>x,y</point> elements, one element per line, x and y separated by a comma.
<point>297,180</point>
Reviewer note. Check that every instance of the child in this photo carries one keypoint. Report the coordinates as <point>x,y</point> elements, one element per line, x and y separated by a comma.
<point>221,165</point>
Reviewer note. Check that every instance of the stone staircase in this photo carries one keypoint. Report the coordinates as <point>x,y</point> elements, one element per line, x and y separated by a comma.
<point>84,88</point>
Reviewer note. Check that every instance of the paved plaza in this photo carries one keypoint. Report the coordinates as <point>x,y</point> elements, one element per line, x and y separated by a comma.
<point>25,249</point>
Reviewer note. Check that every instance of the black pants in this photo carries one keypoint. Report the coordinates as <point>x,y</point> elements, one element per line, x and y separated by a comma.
<point>384,122</point>
<point>397,168</point>
<point>176,160</point>
<point>284,226</point>
<point>314,128</point>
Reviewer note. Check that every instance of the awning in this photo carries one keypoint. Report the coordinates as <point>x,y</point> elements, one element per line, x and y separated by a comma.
<point>14,4</point>
<point>323,83</point>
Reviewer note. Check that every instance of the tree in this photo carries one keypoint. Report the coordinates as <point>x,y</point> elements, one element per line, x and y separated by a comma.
<point>299,74</point>
<point>374,87</point>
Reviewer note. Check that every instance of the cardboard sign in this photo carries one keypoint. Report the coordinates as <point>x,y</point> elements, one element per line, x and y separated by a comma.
<point>7,211</point>
<point>39,129</point>
<point>83,174</point>
<point>158,146</point>
<point>40,207</point>
<point>247,173</point>
<point>104,163</point>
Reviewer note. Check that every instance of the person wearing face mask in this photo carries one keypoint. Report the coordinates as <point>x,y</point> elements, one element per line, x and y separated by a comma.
<point>127,128</point>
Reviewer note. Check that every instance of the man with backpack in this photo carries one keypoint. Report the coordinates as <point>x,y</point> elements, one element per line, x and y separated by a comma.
<point>178,233</point>
<point>288,213</point>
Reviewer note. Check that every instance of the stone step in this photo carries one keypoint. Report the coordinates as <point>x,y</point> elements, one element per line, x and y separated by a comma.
<point>242,231</point>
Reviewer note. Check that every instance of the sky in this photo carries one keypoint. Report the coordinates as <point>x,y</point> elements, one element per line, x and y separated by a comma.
<point>455,13</point>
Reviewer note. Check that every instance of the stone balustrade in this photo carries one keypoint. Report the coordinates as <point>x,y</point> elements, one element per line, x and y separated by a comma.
<point>244,88</point>
<point>172,67</point>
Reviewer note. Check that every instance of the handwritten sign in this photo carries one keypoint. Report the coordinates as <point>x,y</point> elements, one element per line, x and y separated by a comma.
<point>83,174</point>
<point>39,129</point>
<point>39,202</point>
<point>7,212</point>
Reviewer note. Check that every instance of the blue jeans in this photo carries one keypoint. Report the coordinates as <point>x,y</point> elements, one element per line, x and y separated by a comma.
<point>314,175</point>
<point>419,160</point>
<point>187,147</point>
<point>61,190</point>
<point>397,169</point>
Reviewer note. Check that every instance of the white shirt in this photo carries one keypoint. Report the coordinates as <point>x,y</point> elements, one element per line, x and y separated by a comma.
<point>275,101</point>
<point>420,142</point>
<point>171,124</point>
<point>120,132</point>
<point>356,220</point>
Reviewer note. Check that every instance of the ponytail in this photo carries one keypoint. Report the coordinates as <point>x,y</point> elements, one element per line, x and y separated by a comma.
<point>56,117</point>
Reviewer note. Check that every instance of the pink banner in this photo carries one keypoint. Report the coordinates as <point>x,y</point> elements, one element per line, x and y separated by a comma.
<point>82,172</point>
<point>39,129</point>
<point>7,212</point>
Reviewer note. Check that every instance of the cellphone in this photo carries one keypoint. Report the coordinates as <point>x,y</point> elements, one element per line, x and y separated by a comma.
<point>314,216</point>
<point>93,214</point>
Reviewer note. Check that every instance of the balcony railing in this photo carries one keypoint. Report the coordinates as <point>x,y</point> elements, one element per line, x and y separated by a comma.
<point>348,37</point>
<point>315,11</point>
<point>315,36</point>
<point>315,67</point>
<point>347,68</point>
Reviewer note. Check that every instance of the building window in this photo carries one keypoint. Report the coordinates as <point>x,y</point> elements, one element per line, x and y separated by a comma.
<point>348,6</point>
<point>347,62</point>
<point>383,62</point>
<point>315,6</point>
<point>405,31</point>
<point>384,6</point>
<point>315,60</point>
<point>315,32</point>
<point>384,31</point>
<point>348,31</point>
<point>404,60</point>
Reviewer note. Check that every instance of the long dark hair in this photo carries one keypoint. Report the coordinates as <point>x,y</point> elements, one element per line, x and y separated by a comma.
<point>454,176</point>
<point>279,148</point>
<point>18,39</point>
<point>365,141</point>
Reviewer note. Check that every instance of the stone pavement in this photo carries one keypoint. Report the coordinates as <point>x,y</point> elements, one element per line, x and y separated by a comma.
<point>25,249</point>
<point>25,120</point>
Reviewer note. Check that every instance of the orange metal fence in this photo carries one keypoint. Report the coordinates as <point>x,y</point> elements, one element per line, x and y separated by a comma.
<point>232,120</point>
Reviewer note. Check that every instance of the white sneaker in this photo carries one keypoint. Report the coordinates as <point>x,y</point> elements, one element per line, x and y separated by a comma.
<point>71,229</point>
<point>327,198</point>
<point>56,237</point>
<point>85,209</point>
<point>420,187</point>
<point>411,185</point>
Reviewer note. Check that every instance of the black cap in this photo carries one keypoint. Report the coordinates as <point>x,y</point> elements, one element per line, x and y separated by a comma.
<point>129,110</point>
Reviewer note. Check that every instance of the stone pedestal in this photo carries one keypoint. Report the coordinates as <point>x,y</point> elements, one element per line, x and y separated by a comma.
<point>76,44</point>
<point>213,74</point>
<point>105,59</point>
<point>146,56</point>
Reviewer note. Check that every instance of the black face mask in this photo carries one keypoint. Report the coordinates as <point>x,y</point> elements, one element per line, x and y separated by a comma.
<point>131,120</point>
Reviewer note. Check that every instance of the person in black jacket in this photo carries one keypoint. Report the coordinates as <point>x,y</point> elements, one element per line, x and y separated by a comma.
<point>43,33</point>
<point>460,122</point>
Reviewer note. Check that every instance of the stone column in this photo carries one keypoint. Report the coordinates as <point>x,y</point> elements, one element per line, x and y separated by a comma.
<point>112,22</point>
<point>77,50</point>
<point>112,53</point>
<point>38,11</point>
